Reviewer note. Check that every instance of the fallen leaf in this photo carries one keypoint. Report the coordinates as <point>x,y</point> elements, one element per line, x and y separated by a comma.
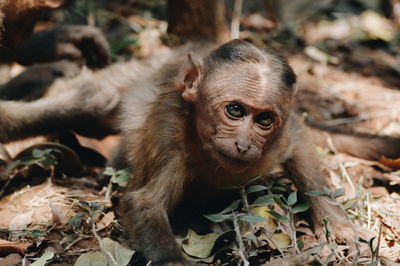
<point>278,240</point>
<point>7,247</point>
<point>391,163</point>
<point>299,259</point>
<point>95,258</point>
<point>11,260</point>
<point>43,259</point>
<point>199,246</point>
<point>105,221</point>
<point>269,224</point>
<point>21,221</point>
<point>122,255</point>
<point>57,213</point>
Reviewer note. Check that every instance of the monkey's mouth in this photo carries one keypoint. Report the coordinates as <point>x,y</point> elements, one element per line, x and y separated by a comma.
<point>232,160</point>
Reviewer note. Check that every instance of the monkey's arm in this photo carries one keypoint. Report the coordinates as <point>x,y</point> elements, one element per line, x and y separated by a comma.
<point>303,167</point>
<point>146,210</point>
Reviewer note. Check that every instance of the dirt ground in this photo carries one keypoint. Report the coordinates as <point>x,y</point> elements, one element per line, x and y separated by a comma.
<point>351,86</point>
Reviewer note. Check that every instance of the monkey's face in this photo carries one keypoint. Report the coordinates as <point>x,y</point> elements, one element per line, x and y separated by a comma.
<point>238,114</point>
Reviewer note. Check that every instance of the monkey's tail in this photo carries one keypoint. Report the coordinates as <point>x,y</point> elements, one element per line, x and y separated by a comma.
<point>362,145</point>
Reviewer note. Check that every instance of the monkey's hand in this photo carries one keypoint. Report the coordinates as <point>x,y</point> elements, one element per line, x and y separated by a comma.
<point>67,42</point>
<point>340,228</point>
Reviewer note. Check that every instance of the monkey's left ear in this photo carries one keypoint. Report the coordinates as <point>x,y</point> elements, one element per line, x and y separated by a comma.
<point>189,77</point>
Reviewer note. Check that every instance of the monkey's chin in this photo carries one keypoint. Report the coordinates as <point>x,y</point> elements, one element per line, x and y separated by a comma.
<point>231,164</point>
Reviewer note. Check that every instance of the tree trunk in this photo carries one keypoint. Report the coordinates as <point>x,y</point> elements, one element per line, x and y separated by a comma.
<point>195,19</point>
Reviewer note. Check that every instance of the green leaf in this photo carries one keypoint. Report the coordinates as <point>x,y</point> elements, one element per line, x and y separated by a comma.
<point>233,206</point>
<point>278,216</point>
<point>43,259</point>
<point>327,191</point>
<point>199,246</point>
<point>264,201</point>
<point>301,207</point>
<point>315,193</point>
<point>76,221</point>
<point>95,207</point>
<point>255,188</point>
<point>300,245</point>
<point>84,204</point>
<point>339,192</point>
<point>251,237</point>
<point>109,171</point>
<point>37,233</point>
<point>217,218</point>
<point>38,153</point>
<point>253,219</point>
<point>279,188</point>
<point>292,199</point>
<point>254,178</point>
<point>278,200</point>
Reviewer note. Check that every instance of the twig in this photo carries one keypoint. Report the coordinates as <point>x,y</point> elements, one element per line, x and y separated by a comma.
<point>101,243</point>
<point>379,242</point>
<point>74,242</point>
<point>346,175</point>
<point>235,24</point>
<point>244,200</point>
<point>5,153</point>
<point>240,241</point>
<point>369,210</point>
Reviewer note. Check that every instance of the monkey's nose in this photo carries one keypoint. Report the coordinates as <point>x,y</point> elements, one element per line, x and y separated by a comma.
<point>242,148</point>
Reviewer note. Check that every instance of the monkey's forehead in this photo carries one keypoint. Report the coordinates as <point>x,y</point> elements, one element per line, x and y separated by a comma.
<point>257,82</point>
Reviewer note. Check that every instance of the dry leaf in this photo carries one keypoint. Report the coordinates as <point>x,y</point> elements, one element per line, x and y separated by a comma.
<point>105,221</point>
<point>7,247</point>
<point>278,240</point>
<point>11,260</point>
<point>21,221</point>
<point>391,163</point>
<point>57,213</point>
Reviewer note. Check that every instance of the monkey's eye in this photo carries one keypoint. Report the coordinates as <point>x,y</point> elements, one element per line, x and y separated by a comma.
<point>235,110</point>
<point>265,120</point>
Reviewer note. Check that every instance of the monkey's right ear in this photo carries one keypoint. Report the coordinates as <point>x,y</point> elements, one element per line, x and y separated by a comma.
<point>189,77</point>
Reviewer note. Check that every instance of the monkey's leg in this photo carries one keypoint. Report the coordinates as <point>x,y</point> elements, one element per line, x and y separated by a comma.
<point>303,169</point>
<point>84,109</point>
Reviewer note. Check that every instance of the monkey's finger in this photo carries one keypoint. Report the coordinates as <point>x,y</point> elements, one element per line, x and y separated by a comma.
<point>91,42</point>
<point>68,51</point>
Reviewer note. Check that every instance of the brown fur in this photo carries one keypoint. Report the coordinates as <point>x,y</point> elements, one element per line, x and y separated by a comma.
<point>172,146</point>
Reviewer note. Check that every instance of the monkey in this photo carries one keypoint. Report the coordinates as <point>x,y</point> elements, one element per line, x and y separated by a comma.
<point>17,21</point>
<point>72,44</point>
<point>190,126</point>
<point>224,116</point>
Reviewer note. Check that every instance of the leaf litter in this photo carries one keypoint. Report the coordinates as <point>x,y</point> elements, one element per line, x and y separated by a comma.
<point>351,90</point>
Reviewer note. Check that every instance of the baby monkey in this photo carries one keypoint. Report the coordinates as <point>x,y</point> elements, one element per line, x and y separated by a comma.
<point>214,120</point>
